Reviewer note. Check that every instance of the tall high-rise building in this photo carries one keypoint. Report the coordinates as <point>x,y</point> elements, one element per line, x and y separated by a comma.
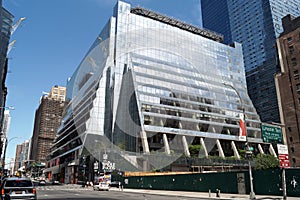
<point>6,22</point>
<point>47,119</point>
<point>18,156</point>
<point>25,152</point>
<point>22,156</point>
<point>1,13</point>
<point>57,93</point>
<point>288,85</point>
<point>149,87</point>
<point>255,24</point>
<point>6,25</point>
<point>4,134</point>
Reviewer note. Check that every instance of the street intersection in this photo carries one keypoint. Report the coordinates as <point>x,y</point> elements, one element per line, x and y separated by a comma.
<point>72,191</point>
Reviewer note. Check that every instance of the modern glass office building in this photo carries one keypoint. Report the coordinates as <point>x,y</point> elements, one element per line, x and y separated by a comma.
<point>149,87</point>
<point>6,24</point>
<point>6,21</point>
<point>255,24</point>
<point>0,12</point>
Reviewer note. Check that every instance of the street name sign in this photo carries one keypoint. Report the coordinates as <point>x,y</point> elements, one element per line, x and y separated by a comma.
<point>271,134</point>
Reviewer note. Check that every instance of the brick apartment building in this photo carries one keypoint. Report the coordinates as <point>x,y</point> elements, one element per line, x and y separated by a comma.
<point>47,120</point>
<point>17,164</point>
<point>288,85</point>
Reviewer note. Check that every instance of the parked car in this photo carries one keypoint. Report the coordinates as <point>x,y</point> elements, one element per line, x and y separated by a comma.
<point>18,188</point>
<point>101,186</point>
<point>42,182</point>
<point>55,182</point>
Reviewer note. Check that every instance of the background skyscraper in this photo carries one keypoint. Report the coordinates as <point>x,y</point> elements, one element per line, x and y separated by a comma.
<point>47,120</point>
<point>0,12</point>
<point>21,157</point>
<point>255,24</point>
<point>17,164</point>
<point>6,22</point>
<point>4,135</point>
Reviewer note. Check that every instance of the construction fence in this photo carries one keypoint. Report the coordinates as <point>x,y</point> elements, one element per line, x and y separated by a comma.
<point>265,182</point>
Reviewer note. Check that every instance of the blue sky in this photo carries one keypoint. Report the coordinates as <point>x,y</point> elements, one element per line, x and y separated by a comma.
<point>53,40</point>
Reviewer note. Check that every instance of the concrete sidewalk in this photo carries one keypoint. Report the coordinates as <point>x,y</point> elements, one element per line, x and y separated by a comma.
<point>203,195</point>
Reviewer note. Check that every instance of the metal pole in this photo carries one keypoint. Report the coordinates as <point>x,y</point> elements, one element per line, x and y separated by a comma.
<point>84,166</point>
<point>3,159</point>
<point>252,194</point>
<point>5,147</point>
<point>99,170</point>
<point>284,184</point>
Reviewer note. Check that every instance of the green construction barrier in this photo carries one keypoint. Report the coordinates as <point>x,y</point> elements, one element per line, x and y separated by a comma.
<point>265,182</point>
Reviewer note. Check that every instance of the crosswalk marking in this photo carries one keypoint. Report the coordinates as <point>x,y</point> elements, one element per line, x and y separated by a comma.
<point>63,187</point>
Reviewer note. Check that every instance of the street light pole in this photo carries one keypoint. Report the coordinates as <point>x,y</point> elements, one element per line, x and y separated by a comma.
<point>8,107</point>
<point>248,152</point>
<point>4,153</point>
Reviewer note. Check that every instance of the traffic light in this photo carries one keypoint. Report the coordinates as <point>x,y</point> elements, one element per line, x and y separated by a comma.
<point>82,164</point>
<point>101,167</point>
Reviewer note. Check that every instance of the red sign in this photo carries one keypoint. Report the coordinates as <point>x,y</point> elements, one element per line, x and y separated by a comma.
<point>242,135</point>
<point>284,160</point>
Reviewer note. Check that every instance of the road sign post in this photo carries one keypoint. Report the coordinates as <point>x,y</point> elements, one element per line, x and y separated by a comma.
<point>283,155</point>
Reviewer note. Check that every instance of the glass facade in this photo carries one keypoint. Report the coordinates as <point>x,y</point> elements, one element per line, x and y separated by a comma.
<point>6,20</point>
<point>255,24</point>
<point>6,24</point>
<point>152,86</point>
<point>211,22</point>
<point>1,12</point>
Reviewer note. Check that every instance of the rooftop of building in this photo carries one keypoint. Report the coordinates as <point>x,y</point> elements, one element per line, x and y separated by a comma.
<point>290,23</point>
<point>179,24</point>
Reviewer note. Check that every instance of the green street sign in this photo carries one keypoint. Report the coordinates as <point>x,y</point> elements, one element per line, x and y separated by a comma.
<point>271,134</point>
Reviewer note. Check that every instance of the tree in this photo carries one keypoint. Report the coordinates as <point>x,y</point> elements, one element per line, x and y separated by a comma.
<point>265,161</point>
<point>194,149</point>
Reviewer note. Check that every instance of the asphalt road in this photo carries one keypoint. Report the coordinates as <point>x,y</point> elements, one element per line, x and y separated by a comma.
<point>76,192</point>
<point>62,192</point>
